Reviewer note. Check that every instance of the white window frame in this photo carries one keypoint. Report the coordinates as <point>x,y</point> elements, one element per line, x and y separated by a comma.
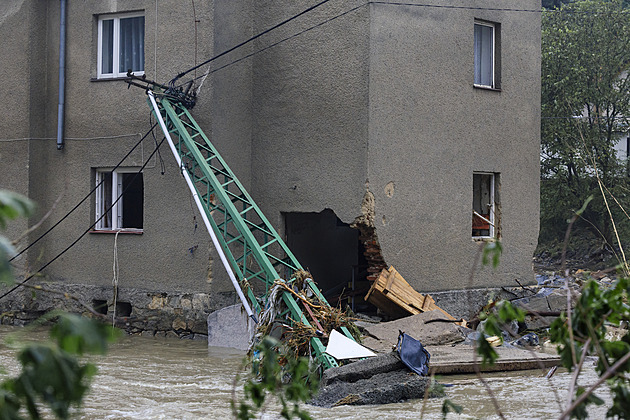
<point>493,56</point>
<point>115,47</point>
<point>117,208</point>
<point>493,205</point>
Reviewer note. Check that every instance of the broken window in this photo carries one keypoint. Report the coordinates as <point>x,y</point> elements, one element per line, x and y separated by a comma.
<point>120,45</point>
<point>484,209</point>
<point>126,212</point>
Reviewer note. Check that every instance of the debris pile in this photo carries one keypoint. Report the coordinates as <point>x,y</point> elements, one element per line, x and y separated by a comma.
<point>378,380</point>
<point>321,318</point>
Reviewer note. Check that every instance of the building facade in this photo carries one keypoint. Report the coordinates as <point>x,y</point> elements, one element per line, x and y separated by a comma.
<point>369,133</point>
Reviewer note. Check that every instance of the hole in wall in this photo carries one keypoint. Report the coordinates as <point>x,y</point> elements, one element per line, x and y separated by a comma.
<point>100,306</point>
<point>332,252</point>
<point>123,309</point>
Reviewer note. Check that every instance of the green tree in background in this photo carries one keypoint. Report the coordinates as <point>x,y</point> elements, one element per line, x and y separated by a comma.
<point>585,111</point>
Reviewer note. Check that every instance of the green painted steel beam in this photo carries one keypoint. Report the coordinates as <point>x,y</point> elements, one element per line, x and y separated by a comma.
<point>241,232</point>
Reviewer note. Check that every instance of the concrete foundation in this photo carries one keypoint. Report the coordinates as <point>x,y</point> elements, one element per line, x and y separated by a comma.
<point>230,327</point>
<point>137,311</point>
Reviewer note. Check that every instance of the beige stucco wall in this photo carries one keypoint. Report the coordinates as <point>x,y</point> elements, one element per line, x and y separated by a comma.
<point>381,95</point>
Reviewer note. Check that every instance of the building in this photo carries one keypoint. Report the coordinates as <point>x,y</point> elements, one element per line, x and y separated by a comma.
<point>368,132</point>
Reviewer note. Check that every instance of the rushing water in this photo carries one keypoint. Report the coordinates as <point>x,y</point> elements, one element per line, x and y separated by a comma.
<point>162,378</point>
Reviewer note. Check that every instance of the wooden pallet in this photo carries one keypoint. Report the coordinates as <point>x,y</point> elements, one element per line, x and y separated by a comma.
<point>395,297</point>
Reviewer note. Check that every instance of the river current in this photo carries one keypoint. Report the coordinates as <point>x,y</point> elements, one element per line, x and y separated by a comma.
<point>168,378</point>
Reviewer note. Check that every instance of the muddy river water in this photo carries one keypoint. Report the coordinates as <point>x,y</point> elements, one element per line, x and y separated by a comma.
<point>166,378</point>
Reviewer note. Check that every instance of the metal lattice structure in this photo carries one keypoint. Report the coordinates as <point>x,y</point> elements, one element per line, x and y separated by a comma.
<point>255,251</point>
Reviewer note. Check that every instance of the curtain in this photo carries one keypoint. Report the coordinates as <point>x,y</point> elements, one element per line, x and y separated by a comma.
<point>131,49</point>
<point>107,46</point>
<point>484,60</point>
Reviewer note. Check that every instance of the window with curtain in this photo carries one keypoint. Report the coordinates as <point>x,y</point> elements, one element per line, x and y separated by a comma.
<point>484,54</point>
<point>120,45</point>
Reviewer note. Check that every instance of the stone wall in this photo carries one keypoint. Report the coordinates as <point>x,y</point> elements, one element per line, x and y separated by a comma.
<point>137,311</point>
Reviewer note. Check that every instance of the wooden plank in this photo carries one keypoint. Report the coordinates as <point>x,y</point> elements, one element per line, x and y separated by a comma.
<point>395,297</point>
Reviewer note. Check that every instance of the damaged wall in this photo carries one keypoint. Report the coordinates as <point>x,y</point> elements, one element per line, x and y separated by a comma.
<point>382,94</point>
<point>430,129</point>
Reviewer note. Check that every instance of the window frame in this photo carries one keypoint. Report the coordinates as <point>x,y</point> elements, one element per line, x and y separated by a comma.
<point>115,45</point>
<point>493,57</point>
<point>493,231</point>
<point>116,208</point>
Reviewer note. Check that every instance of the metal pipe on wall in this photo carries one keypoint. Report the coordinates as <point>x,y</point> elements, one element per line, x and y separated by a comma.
<point>62,74</point>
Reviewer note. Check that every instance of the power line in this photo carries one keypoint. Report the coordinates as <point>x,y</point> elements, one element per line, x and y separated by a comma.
<point>86,197</point>
<point>437,6</point>
<point>445,6</point>
<point>327,21</point>
<point>22,283</point>
<point>284,22</point>
<point>283,40</point>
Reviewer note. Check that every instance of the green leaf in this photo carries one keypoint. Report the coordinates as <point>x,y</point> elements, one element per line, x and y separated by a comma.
<point>492,249</point>
<point>509,312</point>
<point>13,205</point>
<point>449,406</point>
<point>78,335</point>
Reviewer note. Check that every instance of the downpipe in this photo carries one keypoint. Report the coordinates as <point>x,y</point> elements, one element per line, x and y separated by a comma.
<point>62,74</point>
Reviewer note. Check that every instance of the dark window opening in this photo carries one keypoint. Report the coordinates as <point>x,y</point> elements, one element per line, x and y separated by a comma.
<point>126,212</point>
<point>123,309</point>
<point>100,306</point>
<point>133,200</point>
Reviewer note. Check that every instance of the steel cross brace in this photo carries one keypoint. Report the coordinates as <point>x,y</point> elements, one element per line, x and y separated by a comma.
<point>241,231</point>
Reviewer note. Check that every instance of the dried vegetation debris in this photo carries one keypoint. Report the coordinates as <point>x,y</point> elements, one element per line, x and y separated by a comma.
<point>296,335</point>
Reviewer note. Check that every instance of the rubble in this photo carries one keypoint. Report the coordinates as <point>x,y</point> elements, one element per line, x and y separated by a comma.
<point>384,335</point>
<point>377,380</point>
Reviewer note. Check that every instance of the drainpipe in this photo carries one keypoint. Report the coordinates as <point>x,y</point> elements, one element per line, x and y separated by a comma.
<point>62,74</point>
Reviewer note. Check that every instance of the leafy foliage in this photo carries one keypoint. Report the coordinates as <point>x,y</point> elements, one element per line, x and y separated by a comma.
<point>291,380</point>
<point>595,307</point>
<point>12,206</point>
<point>585,110</point>
<point>495,320</point>
<point>51,374</point>
<point>450,407</point>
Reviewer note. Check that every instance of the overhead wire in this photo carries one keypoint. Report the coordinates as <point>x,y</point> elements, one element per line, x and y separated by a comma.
<point>393,3</point>
<point>321,24</point>
<point>86,197</point>
<point>86,231</point>
<point>284,22</point>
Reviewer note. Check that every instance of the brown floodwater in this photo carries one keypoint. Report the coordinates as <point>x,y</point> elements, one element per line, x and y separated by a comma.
<point>167,378</point>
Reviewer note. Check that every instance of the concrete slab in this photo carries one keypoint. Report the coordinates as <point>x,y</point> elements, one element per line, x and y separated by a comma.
<point>230,327</point>
<point>460,359</point>
<point>435,333</point>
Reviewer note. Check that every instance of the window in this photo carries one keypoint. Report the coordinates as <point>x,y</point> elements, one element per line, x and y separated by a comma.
<point>485,220</point>
<point>486,62</point>
<point>126,213</point>
<point>120,45</point>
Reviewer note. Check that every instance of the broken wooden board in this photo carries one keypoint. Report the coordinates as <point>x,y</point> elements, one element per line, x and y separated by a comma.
<point>395,297</point>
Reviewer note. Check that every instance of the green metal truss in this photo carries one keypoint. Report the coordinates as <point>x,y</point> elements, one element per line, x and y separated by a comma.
<point>254,249</point>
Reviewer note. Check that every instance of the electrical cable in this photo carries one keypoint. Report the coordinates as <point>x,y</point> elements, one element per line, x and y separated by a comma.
<point>162,166</point>
<point>84,198</point>
<point>327,21</point>
<point>284,22</point>
<point>499,9</point>
<point>20,284</point>
<point>446,6</point>
<point>279,42</point>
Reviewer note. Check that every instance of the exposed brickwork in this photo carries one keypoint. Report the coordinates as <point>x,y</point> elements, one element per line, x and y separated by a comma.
<point>367,236</point>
